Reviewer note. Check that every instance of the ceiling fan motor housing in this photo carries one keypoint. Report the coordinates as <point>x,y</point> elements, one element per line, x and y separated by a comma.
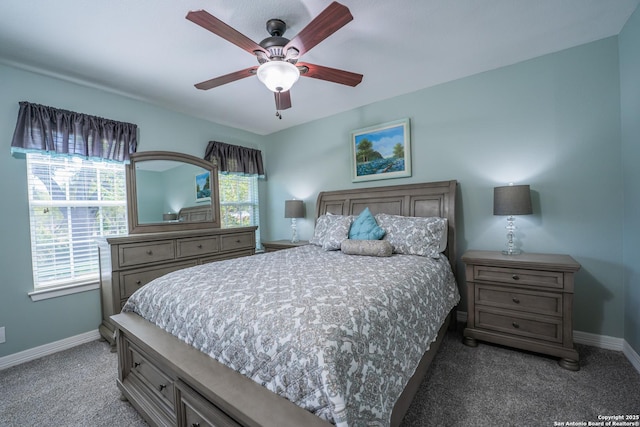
<point>275,43</point>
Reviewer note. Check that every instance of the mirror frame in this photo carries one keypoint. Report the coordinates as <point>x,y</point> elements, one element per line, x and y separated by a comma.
<point>132,196</point>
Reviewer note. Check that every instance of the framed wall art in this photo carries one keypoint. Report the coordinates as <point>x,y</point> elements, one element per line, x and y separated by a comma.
<point>203,187</point>
<point>381,152</point>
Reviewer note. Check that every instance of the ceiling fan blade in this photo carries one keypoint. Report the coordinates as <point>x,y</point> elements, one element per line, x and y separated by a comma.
<point>283,100</point>
<point>330,20</point>
<point>330,74</point>
<point>227,78</point>
<point>219,28</point>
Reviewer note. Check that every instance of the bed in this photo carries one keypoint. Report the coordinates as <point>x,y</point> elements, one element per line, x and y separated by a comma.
<point>328,361</point>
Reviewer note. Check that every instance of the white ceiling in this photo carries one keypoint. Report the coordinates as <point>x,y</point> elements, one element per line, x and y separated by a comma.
<point>147,50</point>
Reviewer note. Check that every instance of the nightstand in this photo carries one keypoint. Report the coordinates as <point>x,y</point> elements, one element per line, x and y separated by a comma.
<point>523,301</point>
<point>277,245</point>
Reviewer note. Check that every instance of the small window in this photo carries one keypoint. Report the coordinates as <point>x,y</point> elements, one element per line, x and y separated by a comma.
<point>239,202</point>
<point>72,202</point>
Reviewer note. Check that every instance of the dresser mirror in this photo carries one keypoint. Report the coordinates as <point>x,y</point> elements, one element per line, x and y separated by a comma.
<point>169,191</point>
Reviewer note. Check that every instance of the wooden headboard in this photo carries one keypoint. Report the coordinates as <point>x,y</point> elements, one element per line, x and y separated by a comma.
<point>425,200</point>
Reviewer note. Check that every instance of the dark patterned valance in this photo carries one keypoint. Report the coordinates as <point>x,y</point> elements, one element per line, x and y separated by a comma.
<point>42,128</point>
<point>234,158</point>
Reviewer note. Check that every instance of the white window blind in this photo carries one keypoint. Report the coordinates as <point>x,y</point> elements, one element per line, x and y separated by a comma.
<point>72,202</point>
<point>239,202</point>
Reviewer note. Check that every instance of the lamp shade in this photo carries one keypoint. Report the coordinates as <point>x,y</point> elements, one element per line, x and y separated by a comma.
<point>512,200</point>
<point>293,209</point>
<point>278,76</point>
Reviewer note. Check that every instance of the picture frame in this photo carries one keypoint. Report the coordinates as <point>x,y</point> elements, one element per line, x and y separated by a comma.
<point>381,152</point>
<point>203,187</point>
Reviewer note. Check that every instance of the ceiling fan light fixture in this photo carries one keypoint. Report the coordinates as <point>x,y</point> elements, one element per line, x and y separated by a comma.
<point>278,76</point>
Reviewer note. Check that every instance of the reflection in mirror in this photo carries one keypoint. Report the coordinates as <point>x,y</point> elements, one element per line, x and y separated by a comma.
<point>165,187</point>
<point>171,191</point>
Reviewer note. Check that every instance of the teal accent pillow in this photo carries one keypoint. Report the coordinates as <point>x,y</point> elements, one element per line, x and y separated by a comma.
<point>365,227</point>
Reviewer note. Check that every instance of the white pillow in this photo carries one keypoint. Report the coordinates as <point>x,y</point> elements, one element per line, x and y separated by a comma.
<point>414,235</point>
<point>330,231</point>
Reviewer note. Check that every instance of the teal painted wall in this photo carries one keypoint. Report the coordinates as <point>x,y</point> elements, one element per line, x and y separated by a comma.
<point>151,203</point>
<point>552,122</point>
<point>30,324</point>
<point>630,107</point>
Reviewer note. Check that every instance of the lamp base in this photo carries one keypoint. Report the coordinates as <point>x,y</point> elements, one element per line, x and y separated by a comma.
<point>511,247</point>
<point>294,231</point>
<point>512,252</point>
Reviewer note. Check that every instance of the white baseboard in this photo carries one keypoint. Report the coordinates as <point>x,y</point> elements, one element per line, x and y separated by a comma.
<point>631,354</point>
<point>594,340</point>
<point>600,341</point>
<point>47,349</point>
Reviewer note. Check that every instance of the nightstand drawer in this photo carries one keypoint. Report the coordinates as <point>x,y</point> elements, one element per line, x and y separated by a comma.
<point>540,278</point>
<point>521,324</point>
<point>518,299</point>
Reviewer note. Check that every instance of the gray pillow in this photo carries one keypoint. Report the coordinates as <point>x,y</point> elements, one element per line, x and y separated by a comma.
<point>378,248</point>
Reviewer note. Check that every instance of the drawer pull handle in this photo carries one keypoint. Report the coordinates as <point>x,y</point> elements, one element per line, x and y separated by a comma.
<point>515,277</point>
<point>516,300</point>
<point>199,246</point>
<point>149,252</point>
<point>515,325</point>
<point>238,241</point>
<point>195,425</point>
<point>162,387</point>
<point>138,282</point>
<point>136,364</point>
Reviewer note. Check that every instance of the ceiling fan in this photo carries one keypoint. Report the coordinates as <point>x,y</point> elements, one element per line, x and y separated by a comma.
<point>278,56</point>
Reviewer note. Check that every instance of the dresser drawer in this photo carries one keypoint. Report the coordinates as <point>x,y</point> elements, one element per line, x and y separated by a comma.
<point>194,410</point>
<point>548,303</point>
<point>158,385</point>
<point>197,246</point>
<point>237,241</point>
<point>131,281</point>
<point>538,278</point>
<point>520,324</point>
<point>143,253</point>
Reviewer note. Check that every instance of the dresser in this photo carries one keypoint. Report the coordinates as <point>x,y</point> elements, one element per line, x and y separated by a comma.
<point>278,245</point>
<point>523,301</point>
<point>130,262</point>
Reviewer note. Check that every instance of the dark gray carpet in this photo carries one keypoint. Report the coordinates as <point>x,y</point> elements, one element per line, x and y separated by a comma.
<point>484,386</point>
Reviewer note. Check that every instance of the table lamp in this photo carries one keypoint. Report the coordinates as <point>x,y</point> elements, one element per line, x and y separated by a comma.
<point>511,200</point>
<point>293,209</point>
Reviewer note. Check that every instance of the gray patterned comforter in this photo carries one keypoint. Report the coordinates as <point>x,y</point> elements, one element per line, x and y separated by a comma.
<point>337,334</point>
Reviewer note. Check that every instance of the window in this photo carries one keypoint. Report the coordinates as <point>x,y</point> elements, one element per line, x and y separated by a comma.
<point>239,201</point>
<point>72,202</point>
